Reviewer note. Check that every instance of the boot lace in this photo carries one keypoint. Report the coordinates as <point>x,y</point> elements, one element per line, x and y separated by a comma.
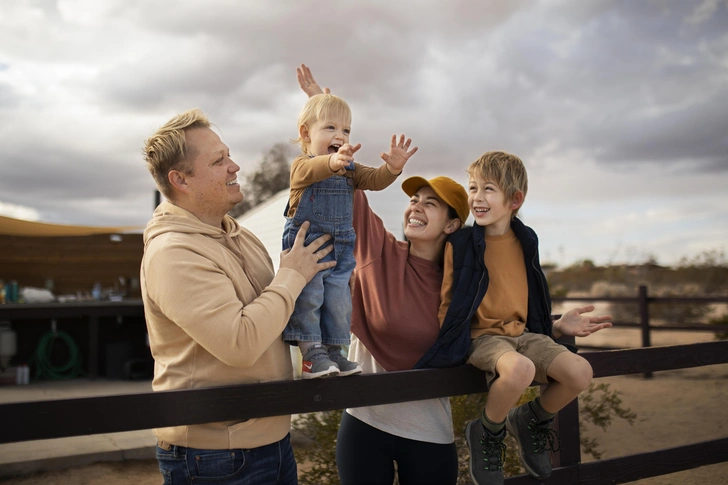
<point>544,437</point>
<point>494,452</point>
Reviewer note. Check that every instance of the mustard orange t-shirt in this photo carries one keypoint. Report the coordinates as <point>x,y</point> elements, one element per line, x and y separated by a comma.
<point>504,308</point>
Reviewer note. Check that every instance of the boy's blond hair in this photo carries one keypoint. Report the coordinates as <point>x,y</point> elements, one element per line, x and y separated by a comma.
<point>320,107</point>
<point>505,170</point>
<point>167,148</point>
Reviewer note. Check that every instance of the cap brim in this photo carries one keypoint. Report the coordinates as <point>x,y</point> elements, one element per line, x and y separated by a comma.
<point>413,184</point>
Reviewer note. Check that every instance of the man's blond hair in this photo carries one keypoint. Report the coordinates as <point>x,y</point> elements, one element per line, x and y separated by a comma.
<point>167,148</point>
<point>505,170</point>
<point>320,107</point>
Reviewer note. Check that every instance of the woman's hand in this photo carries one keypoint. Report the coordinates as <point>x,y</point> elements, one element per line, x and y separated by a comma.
<point>308,83</point>
<point>575,324</point>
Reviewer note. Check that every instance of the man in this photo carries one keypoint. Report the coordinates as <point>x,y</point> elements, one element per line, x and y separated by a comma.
<point>214,308</point>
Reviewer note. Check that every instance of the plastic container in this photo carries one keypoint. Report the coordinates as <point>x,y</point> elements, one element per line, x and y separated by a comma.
<point>22,375</point>
<point>8,344</point>
<point>11,292</point>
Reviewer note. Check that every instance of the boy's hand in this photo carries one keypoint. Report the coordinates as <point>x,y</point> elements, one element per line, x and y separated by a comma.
<point>344,157</point>
<point>575,324</point>
<point>398,155</point>
<point>305,259</point>
<point>308,83</point>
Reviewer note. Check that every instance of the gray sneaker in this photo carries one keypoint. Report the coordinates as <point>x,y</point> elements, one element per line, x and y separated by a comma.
<point>534,439</point>
<point>316,364</point>
<point>487,454</point>
<point>346,367</point>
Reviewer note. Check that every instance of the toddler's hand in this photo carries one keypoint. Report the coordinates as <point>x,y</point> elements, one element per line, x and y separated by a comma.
<point>344,157</point>
<point>398,154</point>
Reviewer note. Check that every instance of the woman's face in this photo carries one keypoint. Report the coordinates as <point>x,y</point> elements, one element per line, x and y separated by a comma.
<point>426,217</point>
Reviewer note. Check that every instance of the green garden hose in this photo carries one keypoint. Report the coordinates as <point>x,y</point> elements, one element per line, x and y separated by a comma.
<point>41,360</point>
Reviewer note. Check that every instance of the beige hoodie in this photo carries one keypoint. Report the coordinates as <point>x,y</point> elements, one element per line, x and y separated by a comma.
<point>215,312</point>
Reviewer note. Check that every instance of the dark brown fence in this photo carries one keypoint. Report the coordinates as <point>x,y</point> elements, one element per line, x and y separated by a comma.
<point>73,417</point>
<point>643,301</point>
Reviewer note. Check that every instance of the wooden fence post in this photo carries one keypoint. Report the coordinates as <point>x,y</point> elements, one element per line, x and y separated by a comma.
<point>645,320</point>
<point>567,425</point>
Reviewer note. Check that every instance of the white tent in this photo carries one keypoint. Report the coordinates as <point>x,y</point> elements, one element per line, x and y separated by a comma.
<point>266,221</point>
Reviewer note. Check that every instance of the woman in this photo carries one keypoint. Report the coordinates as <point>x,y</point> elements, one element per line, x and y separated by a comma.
<point>395,300</point>
<point>396,294</point>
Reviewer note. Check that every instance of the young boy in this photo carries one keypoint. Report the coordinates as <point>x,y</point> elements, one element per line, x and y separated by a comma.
<point>323,180</point>
<point>510,327</point>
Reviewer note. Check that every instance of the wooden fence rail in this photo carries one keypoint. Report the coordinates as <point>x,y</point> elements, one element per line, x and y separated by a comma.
<point>82,416</point>
<point>643,301</point>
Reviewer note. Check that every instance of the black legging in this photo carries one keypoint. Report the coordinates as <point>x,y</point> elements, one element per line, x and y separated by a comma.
<point>365,456</point>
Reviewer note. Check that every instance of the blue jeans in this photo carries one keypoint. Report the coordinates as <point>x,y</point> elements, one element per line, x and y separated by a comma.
<point>271,464</point>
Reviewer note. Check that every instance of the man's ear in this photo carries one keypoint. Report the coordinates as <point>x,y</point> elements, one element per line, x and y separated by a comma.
<point>178,180</point>
<point>452,226</point>
<point>516,201</point>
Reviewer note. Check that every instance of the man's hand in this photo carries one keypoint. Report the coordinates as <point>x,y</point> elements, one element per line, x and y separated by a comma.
<point>398,155</point>
<point>344,157</point>
<point>308,83</point>
<point>305,259</point>
<point>575,324</point>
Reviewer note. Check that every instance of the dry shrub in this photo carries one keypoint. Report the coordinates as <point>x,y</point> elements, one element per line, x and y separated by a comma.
<point>598,405</point>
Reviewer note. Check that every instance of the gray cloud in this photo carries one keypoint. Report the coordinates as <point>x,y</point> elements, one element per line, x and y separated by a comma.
<point>616,84</point>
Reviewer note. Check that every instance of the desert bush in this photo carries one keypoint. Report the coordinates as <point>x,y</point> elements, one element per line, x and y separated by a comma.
<point>680,313</point>
<point>721,321</point>
<point>599,405</point>
<point>621,312</point>
<point>322,429</point>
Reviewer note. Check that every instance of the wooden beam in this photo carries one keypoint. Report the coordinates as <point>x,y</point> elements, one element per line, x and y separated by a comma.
<point>73,417</point>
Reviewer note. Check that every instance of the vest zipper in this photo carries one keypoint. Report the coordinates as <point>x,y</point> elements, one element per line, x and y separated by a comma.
<point>541,279</point>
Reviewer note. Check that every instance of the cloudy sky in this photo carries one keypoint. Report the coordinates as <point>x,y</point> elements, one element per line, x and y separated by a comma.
<point>618,108</point>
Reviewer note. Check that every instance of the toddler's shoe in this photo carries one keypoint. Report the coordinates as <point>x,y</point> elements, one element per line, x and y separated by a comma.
<point>316,364</point>
<point>487,454</point>
<point>534,439</point>
<point>346,367</point>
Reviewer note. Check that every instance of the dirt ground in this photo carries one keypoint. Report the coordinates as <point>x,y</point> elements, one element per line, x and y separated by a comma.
<point>673,408</point>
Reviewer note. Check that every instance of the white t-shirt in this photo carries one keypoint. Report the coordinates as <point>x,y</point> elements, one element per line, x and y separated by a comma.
<point>429,420</point>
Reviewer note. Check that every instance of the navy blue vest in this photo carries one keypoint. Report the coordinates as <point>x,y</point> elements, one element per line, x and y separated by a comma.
<point>470,282</point>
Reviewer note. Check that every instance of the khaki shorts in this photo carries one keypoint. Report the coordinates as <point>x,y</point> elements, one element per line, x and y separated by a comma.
<point>540,349</point>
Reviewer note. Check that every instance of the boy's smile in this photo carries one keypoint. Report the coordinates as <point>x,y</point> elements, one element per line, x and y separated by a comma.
<point>489,206</point>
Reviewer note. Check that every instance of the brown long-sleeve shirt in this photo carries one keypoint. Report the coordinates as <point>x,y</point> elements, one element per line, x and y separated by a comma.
<point>306,171</point>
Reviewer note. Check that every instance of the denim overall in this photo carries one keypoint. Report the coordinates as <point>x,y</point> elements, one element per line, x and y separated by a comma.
<point>323,310</point>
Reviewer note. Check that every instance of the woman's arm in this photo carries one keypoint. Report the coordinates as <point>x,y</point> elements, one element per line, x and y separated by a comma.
<point>371,235</point>
<point>308,83</point>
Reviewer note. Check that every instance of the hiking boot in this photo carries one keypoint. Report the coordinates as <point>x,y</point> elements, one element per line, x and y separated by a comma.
<point>534,439</point>
<point>346,367</point>
<point>487,453</point>
<point>316,364</point>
